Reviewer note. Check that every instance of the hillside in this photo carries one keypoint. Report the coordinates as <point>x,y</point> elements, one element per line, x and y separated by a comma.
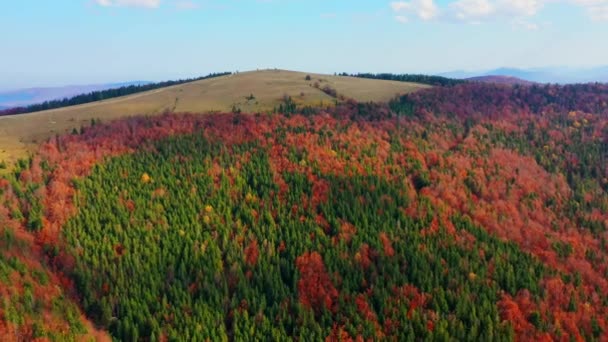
<point>19,134</point>
<point>472,212</point>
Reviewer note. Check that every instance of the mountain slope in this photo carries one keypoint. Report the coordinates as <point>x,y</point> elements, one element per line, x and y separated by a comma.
<point>472,212</point>
<point>18,134</point>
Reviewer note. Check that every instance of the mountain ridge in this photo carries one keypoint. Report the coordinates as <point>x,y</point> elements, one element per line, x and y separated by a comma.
<point>500,80</point>
<point>561,75</point>
<point>28,96</point>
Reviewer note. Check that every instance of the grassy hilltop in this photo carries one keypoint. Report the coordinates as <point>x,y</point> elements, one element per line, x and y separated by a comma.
<point>19,134</point>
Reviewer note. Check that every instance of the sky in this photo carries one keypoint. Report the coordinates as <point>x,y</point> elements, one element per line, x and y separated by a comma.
<point>60,42</point>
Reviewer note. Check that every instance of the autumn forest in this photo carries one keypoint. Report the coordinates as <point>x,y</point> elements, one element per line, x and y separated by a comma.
<point>466,211</point>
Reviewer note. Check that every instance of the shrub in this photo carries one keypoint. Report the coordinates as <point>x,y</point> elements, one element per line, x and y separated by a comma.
<point>330,91</point>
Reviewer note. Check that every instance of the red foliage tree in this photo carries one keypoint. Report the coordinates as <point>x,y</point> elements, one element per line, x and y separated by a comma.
<point>387,244</point>
<point>339,334</point>
<point>364,256</point>
<point>252,253</point>
<point>315,288</point>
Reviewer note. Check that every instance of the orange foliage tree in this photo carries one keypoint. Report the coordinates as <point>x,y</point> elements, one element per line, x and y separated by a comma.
<point>315,288</point>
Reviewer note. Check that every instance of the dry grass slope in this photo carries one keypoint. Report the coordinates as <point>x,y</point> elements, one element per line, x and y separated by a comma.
<point>19,134</point>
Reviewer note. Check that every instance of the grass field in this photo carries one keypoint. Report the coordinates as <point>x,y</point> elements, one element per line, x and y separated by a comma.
<point>20,134</point>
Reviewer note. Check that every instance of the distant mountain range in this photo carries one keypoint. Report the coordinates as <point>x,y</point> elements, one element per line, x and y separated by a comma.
<point>540,75</point>
<point>24,97</point>
<point>500,80</point>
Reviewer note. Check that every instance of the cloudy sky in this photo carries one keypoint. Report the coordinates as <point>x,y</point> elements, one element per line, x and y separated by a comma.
<point>55,42</point>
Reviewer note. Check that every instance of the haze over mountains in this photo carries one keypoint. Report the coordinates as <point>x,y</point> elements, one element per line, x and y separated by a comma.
<point>24,97</point>
<point>561,75</point>
<point>541,75</point>
<point>500,80</point>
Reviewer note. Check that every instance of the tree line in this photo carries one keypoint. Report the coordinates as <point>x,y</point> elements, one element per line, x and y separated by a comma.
<point>416,78</point>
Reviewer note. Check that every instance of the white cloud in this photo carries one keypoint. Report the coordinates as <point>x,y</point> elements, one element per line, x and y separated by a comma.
<point>402,19</point>
<point>521,24</point>
<point>479,11</point>
<point>468,10</point>
<point>590,2</point>
<point>423,9</point>
<point>520,7</point>
<point>596,9</point>
<point>129,3</point>
<point>599,13</point>
<point>472,9</point>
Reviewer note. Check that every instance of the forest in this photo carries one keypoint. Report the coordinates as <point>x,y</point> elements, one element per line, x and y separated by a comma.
<point>466,212</point>
<point>416,78</point>
<point>102,95</point>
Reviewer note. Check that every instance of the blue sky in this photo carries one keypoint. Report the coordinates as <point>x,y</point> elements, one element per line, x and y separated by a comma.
<point>91,41</point>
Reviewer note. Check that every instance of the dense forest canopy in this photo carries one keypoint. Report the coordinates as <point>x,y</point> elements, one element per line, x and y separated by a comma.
<point>469,212</point>
<point>102,95</point>
<point>476,100</point>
